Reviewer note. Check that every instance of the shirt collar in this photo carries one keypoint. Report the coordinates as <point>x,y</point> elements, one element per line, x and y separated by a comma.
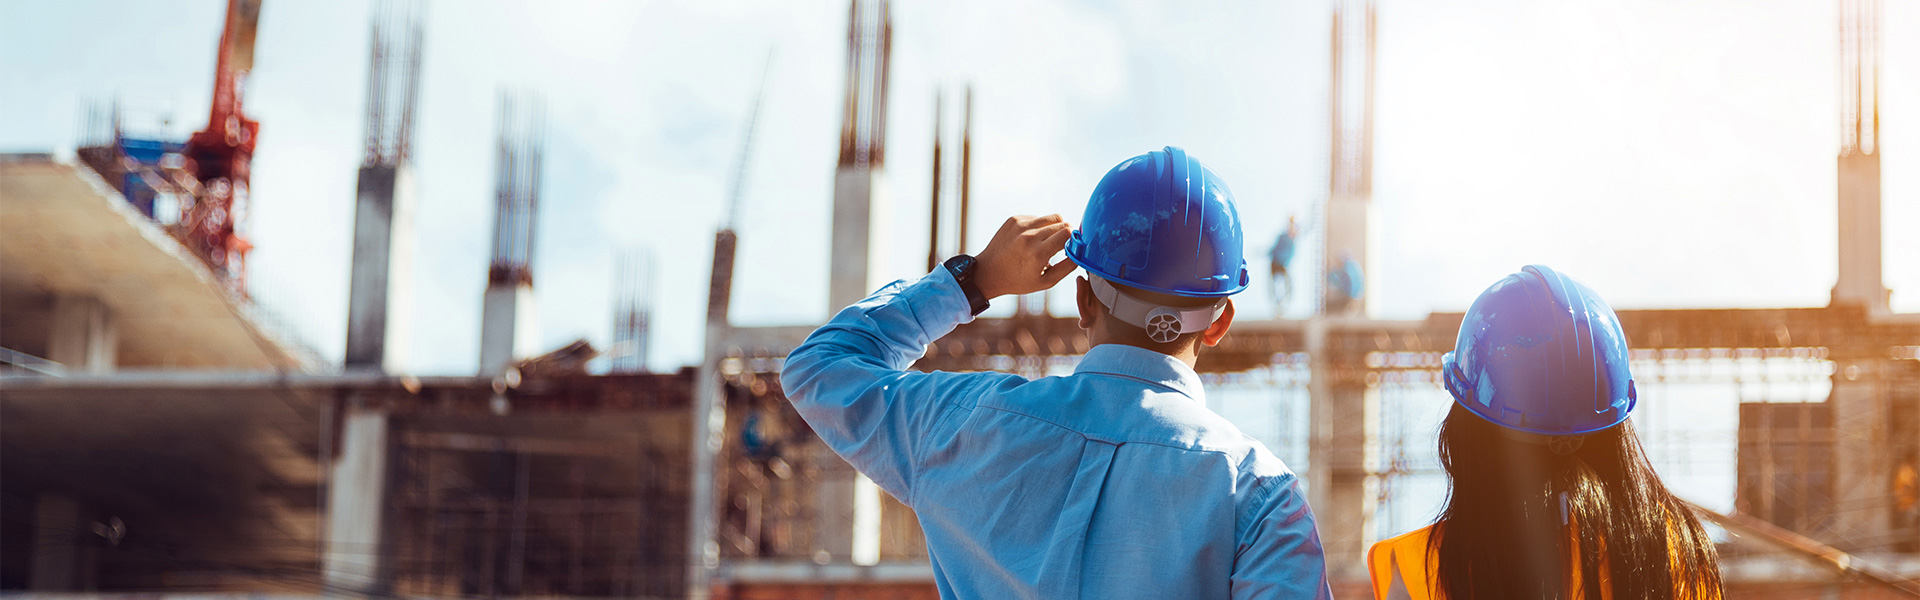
<point>1143,364</point>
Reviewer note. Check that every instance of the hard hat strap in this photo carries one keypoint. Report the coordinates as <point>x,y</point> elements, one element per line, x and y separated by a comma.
<point>1163,323</point>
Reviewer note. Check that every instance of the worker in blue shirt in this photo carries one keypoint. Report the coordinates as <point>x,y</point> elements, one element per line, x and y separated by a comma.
<point>1113,482</point>
<point>1278,260</point>
<point>1346,284</point>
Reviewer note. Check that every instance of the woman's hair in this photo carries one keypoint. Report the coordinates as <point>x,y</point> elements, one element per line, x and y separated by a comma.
<point>1503,535</point>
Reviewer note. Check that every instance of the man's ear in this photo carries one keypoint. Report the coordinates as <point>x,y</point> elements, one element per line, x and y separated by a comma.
<point>1083,298</point>
<point>1218,330</point>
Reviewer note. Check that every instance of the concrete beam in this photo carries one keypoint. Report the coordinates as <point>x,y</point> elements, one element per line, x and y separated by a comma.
<point>794,571</point>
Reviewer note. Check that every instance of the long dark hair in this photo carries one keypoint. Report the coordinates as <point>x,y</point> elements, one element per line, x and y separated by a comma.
<point>1503,535</point>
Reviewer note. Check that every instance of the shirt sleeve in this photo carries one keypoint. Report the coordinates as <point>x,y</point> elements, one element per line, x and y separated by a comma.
<point>1280,554</point>
<point>849,379</point>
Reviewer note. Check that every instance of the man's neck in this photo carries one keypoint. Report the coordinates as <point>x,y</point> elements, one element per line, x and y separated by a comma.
<point>1191,356</point>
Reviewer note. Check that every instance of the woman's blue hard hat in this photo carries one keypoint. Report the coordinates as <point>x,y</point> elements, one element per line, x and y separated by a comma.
<point>1541,353</point>
<point>1163,222</point>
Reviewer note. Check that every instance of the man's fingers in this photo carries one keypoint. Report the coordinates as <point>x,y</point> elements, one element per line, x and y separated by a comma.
<point>1048,231</point>
<point>1013,224</point>
<point>1047,219</point>
<point>1057,239</point>
<point>1057,271</point>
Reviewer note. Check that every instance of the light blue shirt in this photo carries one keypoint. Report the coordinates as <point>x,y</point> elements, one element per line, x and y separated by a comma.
<point>1115,482</point>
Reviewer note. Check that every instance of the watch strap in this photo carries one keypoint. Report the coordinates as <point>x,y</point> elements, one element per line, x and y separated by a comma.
<point>962,268</point>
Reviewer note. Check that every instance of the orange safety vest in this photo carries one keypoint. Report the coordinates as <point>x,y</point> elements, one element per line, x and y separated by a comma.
<point>1407,557</point>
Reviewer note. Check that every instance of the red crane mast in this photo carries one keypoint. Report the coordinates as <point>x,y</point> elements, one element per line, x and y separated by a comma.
<point>221,155</point>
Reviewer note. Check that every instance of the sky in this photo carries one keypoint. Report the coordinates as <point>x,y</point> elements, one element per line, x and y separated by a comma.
<point>1670,154</point>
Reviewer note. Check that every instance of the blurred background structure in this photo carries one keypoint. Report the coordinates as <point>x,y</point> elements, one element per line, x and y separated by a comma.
<point>165,430</point>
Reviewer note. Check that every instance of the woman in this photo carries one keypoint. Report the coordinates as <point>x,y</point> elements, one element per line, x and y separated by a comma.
<point>1551,495</point>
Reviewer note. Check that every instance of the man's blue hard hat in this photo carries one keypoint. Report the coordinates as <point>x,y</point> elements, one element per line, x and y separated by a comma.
<point>1541,353</point>
<point>1163,222</point>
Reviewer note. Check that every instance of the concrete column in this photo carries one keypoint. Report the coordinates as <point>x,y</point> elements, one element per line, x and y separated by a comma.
<point>1349,223</point>
<point>865,536</point>
<point>835,504</point>
<point>862,223</point>
<point>507,326</point>
<point>708,419</point>
<point>83,336</point>
<point>1859,281</point>
<point>56,544</point>
<point>1350,143</point>
<point>1862,470</point>
<point>1340,487</point>
<point>381,285</point>
<point>900,534</point>
<point>356,504</point>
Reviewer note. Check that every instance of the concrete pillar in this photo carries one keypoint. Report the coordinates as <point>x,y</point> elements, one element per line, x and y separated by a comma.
<point>1340,487</point>
<point>381,286</point>
<point>507,326</point>
<point>1349,221</point>
<point>1349,215</point>
<point>56,544</point>
<point>835,504</point>
<point>1862,470</point>
<point>1859,281</point>
<point>862,222</point>
<point>900,535</point>
<point>865,549</point>
<point>356,503</point>
<point>709,423</point>
<point>83,337</point>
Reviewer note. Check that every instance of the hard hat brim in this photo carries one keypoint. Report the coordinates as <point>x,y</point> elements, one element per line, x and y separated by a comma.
<point>1075,248</point>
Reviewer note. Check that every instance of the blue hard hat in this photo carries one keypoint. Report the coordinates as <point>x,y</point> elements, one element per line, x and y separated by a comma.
<point>1541,353</point>
<point>1163,222</point>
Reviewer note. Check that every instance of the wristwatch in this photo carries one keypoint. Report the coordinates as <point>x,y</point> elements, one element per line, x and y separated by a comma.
<point>962,267</point>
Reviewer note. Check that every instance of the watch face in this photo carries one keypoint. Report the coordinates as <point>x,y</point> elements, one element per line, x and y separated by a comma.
<point>962,267</point>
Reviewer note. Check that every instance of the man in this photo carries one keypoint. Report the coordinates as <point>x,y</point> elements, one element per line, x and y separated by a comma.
<point>1346,284</point>
<point>1115,482</point>
<point>1278,260</point>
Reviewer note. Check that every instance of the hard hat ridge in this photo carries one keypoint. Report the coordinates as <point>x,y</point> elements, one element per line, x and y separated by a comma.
<point>1163,222</point>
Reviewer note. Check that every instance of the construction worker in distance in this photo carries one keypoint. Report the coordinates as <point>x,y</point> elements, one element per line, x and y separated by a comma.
<point>1277,262</point>
<point>1113,482</point>
<point>1551,495</point>
<point>1346,285</point>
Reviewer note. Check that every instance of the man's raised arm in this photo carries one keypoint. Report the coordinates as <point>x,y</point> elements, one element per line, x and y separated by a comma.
<point>849,379</point>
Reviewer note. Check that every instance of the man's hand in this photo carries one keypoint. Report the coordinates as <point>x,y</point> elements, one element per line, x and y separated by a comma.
<point>1018,258</point>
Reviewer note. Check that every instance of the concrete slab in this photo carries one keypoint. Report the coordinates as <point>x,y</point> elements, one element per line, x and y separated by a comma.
<point>65,232</point>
